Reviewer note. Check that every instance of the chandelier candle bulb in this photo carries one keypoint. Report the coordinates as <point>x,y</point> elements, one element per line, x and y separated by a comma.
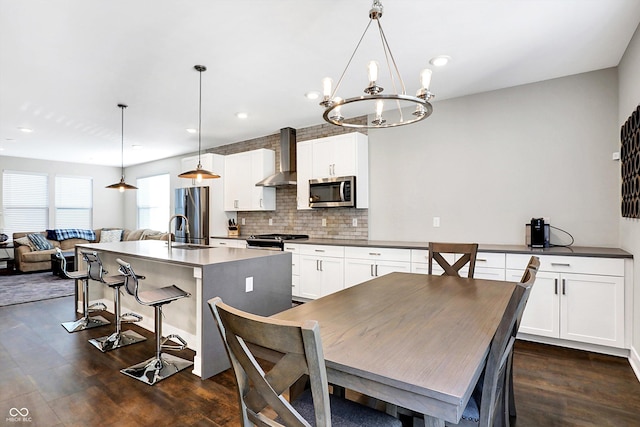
<point>372,70</point>
<point>425,78</point>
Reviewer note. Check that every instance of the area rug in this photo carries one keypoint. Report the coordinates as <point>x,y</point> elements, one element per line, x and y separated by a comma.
<point>21,288</point>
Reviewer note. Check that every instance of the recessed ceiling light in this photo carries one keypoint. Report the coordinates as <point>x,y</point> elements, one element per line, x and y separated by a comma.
<point>136,146</point>
<point>314,94</point>
<point>242,115</point>
<point>9,139</point>
<point>440,60</point>
<point>191,130</point>
<point>26,130</point>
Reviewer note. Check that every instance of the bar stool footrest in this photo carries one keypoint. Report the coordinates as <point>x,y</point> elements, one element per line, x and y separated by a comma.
<point>98,306</point>
<point>130,318</point>
<point>156,369</point>
<point>177,347</point>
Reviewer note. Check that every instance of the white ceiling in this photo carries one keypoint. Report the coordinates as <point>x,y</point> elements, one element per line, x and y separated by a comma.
<point>66,64</point>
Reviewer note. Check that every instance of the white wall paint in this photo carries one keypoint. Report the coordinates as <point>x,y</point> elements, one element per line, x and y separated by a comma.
<point>629,98</point>
<point>486,164</point>
<point>108,205</point>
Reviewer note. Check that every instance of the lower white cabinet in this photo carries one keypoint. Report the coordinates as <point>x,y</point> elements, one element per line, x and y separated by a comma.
<point>295,267</point>
<point>321,270</point>
<point>365,263</point>
<point>574,298</point>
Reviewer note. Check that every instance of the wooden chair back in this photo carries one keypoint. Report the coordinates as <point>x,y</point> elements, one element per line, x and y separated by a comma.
<point>301,350</point>
<point>498,367</point>
<point>468,251</point>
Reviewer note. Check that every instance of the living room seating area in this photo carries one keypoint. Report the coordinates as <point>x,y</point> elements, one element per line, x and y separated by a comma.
<point>33,250</point>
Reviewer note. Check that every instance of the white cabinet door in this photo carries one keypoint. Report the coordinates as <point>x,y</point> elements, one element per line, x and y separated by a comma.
<point>242,171</point>
<point>304,167</point>
<point>542,313</point>
<point>357,271</point>
<point>385,267</point>
<point>320,276</point>
<point>334,156</point>
<point>592,309</point>
<point>295,267</point>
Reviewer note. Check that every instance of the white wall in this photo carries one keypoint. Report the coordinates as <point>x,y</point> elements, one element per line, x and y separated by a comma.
<point>486,164</point>
<point>108,205</point>
<point>629,94</point>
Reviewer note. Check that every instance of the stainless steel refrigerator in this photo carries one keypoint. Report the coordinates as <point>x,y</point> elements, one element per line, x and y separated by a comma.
<point>192,202</point>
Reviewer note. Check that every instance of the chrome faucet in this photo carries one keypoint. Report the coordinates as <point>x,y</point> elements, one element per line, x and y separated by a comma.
<point>186,221</point>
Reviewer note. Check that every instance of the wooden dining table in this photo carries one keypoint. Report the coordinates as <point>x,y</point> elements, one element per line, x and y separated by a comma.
<point>412,340</point>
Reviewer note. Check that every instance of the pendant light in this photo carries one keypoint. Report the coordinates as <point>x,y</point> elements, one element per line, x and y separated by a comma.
<point>199,173</point>
<point>121,186</point>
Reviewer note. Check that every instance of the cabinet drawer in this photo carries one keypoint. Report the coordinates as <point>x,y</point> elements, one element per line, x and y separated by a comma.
<point>322,250</point>
<point>422,256</point>
<point>570,264</point>
<point>374,253</point>
<point>489,260</point>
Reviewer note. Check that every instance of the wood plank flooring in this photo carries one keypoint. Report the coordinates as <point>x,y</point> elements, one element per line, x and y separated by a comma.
<point>64,381</point>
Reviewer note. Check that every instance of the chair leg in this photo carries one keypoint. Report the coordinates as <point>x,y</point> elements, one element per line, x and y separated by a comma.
<point>118,338</point>
<point>162,365</point>
<point>86,321</point>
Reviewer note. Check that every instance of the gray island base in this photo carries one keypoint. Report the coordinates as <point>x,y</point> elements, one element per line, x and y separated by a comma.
<point>257,281</point>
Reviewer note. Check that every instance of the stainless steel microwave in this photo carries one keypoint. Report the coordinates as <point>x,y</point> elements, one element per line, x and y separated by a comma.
<point>332,192</point>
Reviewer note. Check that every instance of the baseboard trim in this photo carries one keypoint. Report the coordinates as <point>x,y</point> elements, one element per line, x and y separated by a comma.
<point>634,361</point>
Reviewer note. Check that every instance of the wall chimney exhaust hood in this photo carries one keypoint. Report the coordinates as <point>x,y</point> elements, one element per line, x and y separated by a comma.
<point>287,175</point>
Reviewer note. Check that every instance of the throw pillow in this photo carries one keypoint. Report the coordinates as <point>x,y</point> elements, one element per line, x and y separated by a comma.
<point>40,242</point>
<point>25,242</point>
<point>110,236</point>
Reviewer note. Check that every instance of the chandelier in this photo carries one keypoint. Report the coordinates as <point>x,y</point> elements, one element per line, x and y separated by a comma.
<point>199,173</point>
<point>389,109</point>
<point>121,186</point>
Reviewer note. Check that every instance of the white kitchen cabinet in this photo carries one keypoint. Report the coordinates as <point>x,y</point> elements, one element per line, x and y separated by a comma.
<point>242,171</point>
<point>334,156</point>
<point>295,267</point>
<point>304,161</point>
<point>574,298</point>
<point>365,263</point>
<point>213,163</point>
<point>321,270</point>
<point>228,243</point>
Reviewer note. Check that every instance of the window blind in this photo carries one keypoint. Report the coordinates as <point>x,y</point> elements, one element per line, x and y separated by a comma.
<point>25,201</point>
<point>153,201</point>
<point>74,202</point>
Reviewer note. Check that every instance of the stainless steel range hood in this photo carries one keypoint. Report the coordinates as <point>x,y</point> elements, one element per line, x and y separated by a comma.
<point>287,175</point>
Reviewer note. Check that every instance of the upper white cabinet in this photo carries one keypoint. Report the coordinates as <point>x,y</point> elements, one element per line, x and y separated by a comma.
<point>339,155</point>
<point>213,163</point>
<point>242,171</point>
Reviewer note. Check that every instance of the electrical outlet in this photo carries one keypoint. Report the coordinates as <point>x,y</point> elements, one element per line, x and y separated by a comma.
<point>436,221</point>
<point>243,221</point>
<point>324,222</point>
<point>354,222</point>
<point>270,221</point>
<point>248,284</point>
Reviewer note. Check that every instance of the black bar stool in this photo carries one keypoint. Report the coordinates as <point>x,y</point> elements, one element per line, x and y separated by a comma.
<point>119,338</point>
<point>86,321</point>
<point>162,365</point>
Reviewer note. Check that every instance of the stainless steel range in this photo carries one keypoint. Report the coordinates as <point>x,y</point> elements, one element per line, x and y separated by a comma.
<point>274,242</point>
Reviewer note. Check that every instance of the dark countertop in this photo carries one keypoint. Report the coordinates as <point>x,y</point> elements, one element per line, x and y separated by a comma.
<point>584,251</point>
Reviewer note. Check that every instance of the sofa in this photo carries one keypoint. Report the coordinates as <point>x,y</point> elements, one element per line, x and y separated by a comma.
<point>29,258</point>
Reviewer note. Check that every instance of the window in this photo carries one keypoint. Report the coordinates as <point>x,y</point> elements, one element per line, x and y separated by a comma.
<point>153,201</point>
<point>74,202</point>
<point>25,201</point>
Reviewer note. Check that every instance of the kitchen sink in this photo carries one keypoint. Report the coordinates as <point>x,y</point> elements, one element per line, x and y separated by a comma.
<point>192,247</point>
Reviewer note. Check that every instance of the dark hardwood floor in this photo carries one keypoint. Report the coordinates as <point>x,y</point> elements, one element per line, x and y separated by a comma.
<point>62,380</point>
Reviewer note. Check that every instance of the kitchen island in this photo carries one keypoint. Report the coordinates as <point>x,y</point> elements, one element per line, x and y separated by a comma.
<point>252,280</point>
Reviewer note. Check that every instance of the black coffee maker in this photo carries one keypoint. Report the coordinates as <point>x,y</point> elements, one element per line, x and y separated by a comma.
<point>539,233</point>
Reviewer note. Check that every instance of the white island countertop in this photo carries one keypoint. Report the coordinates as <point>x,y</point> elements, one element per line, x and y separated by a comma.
<point>157,250</point>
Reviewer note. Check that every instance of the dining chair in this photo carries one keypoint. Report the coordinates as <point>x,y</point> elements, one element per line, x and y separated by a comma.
<point>260,392</point>
<point>488,405</point>
<point>527,280</point>
<point>468,251</point>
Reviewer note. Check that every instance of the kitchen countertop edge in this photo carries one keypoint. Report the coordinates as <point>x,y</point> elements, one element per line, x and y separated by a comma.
<point>583,251</point>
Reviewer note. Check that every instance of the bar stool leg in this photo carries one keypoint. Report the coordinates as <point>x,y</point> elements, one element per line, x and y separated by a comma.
<point>86,321</point>
<point>119,338</point>
<point>162,365</point>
